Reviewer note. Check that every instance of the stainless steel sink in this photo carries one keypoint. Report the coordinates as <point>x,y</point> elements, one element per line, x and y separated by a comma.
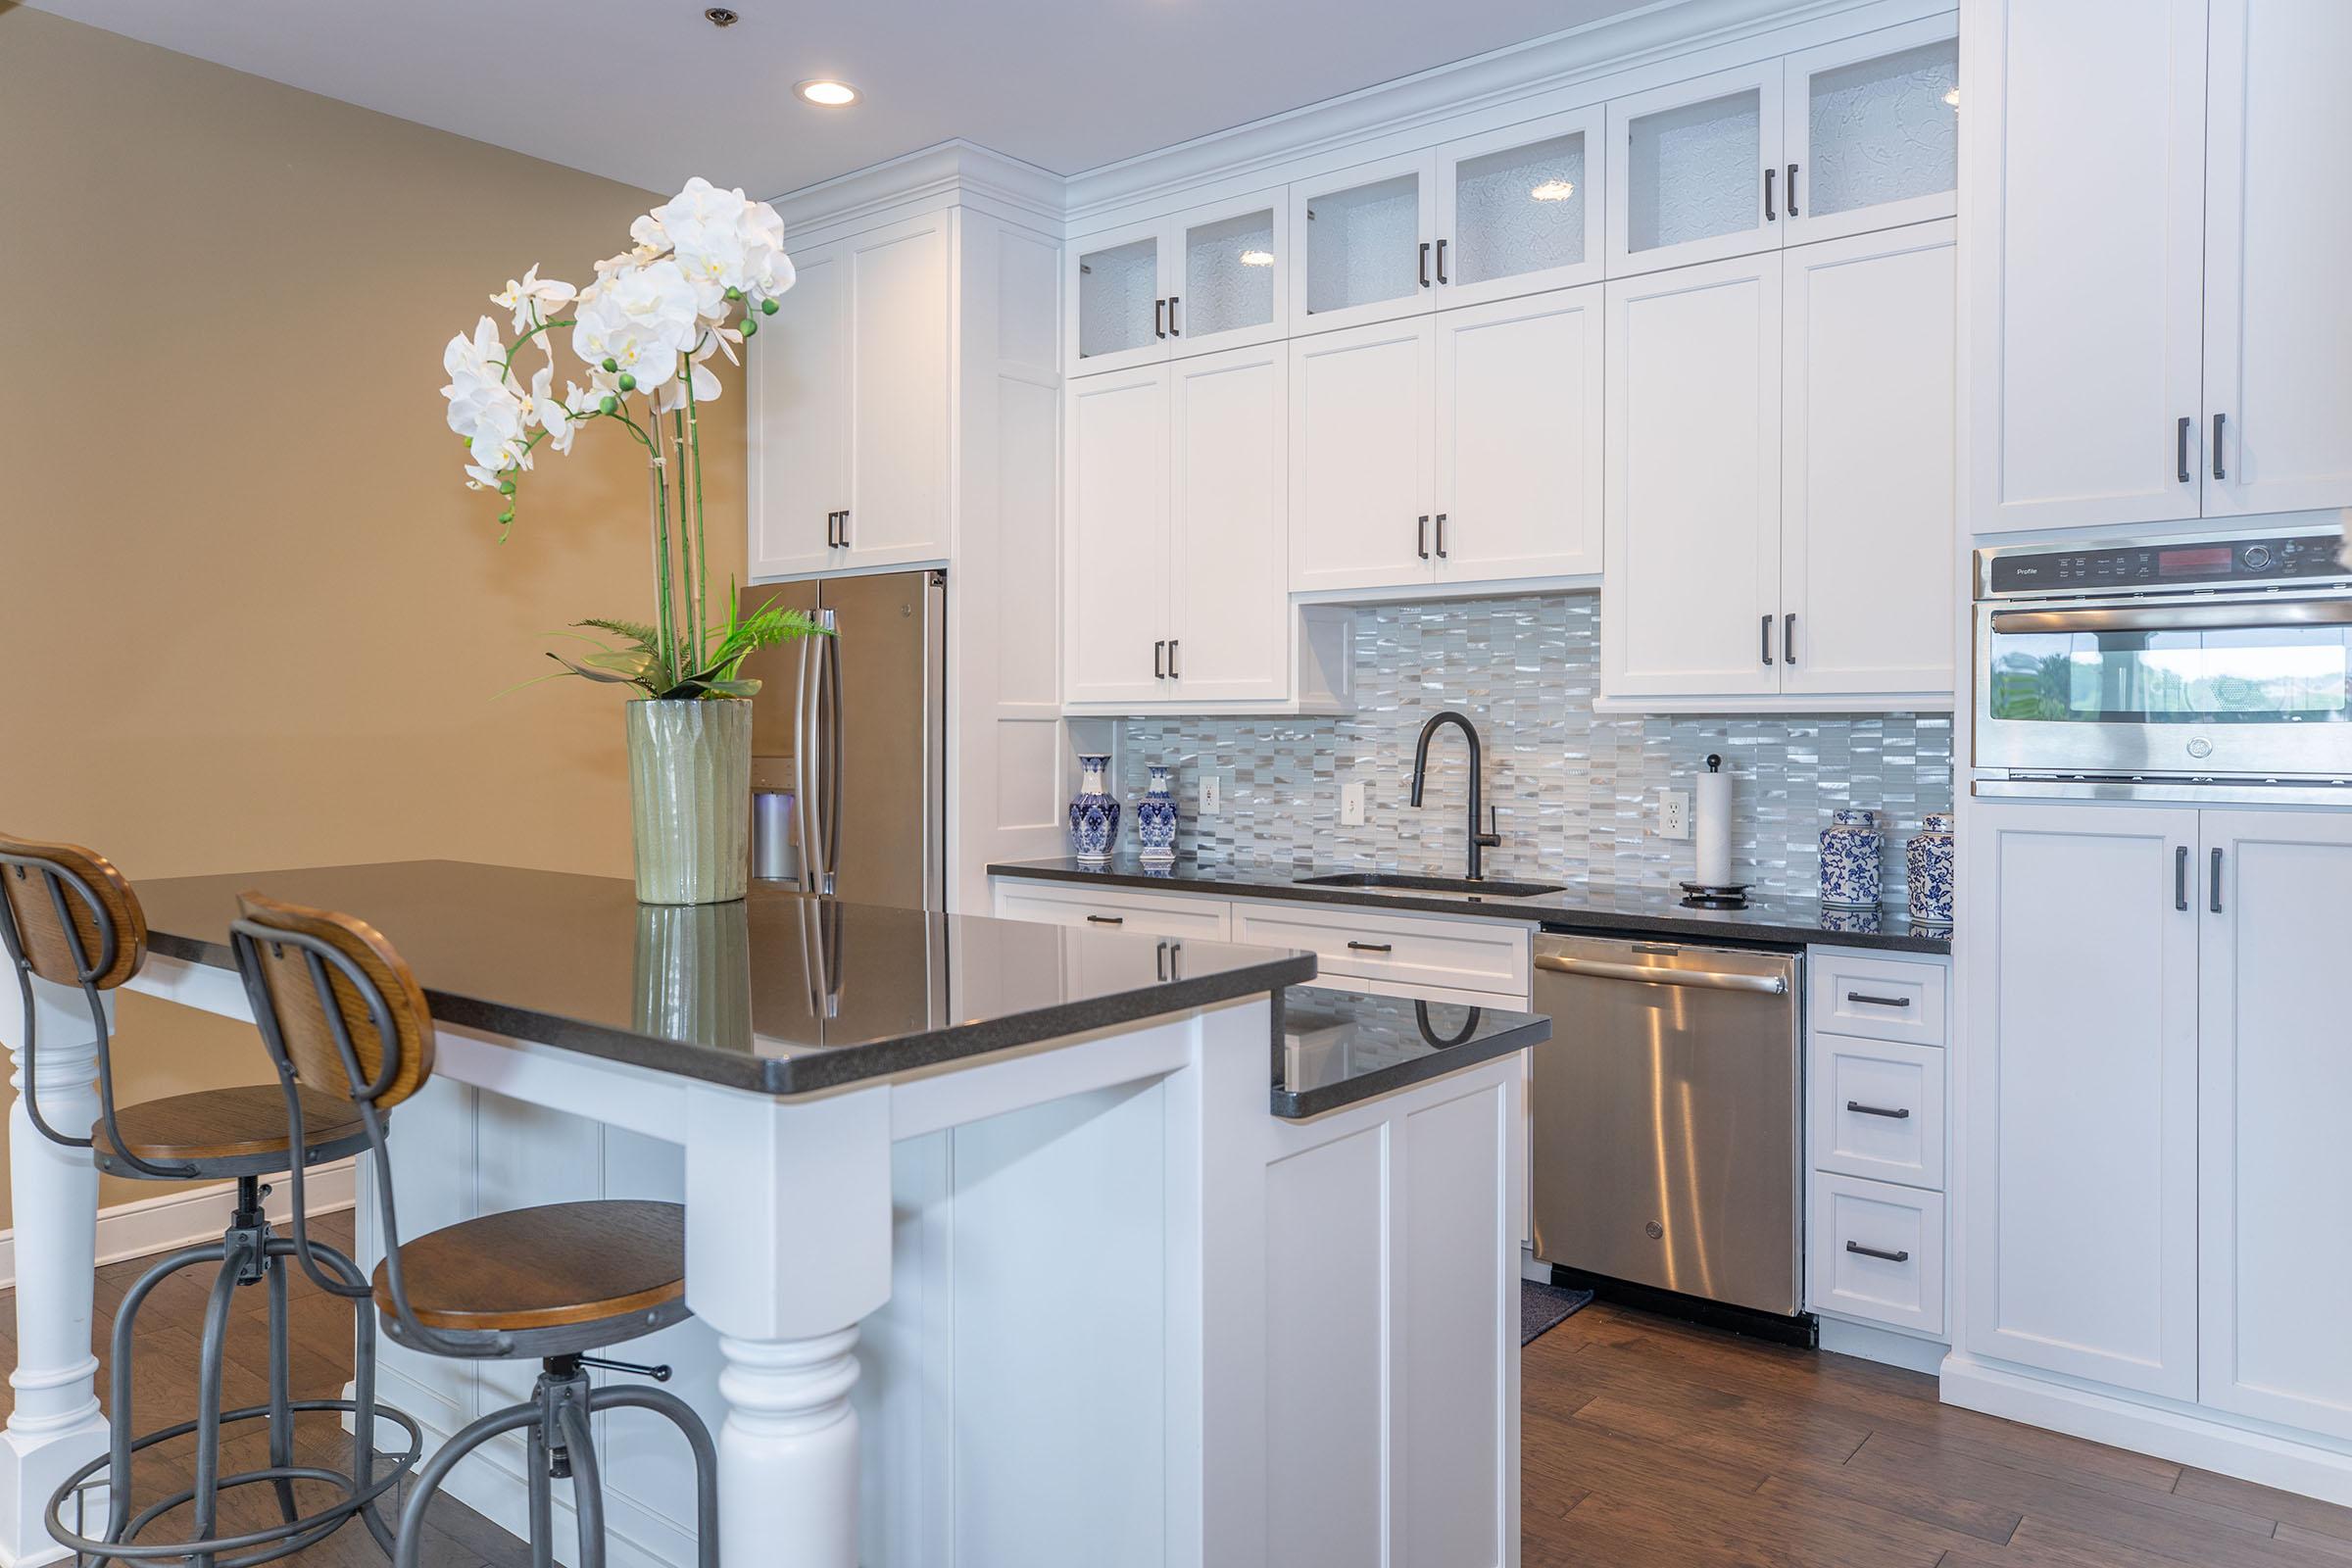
<point>1407,882</point>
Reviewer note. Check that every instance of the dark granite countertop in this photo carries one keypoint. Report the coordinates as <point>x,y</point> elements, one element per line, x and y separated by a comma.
<point>1632,912</point>
<point>1340,1047</point>
<point>783,994</point>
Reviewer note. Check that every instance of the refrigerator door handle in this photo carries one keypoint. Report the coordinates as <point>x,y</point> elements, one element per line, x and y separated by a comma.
<point>831,654</point>
<point>804,764</point>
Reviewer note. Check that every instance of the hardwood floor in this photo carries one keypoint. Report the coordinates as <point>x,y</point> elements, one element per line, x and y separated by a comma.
<point>1648,1444</point>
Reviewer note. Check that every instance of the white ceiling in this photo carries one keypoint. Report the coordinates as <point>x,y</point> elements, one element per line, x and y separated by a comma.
<point>647,91</point>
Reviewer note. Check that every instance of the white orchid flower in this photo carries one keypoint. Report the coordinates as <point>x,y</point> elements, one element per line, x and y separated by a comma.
<point>475,357</point>
<point>704,227</point>
<point>673,396</point>
<point>766,271</point>
<point>721,340</point>
<point>534,301</point>
<point>643,321</point>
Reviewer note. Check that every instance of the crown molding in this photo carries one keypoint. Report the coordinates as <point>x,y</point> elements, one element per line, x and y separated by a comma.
<point>952,169</point>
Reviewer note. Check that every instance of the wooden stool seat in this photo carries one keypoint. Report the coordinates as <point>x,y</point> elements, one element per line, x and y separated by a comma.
<point>556,1266</point>
<point>229,1131</point>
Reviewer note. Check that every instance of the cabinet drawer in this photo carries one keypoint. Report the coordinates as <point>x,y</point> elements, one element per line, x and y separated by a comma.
<point>1413,952</point>
<point>1878,998</point>
<point>1877,1109</point>
<point>1877,1252</point>
<point>1158,915</point>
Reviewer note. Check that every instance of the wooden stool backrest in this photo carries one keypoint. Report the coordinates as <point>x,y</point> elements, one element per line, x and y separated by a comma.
<point>100,941</point>
<point>394,1056</point>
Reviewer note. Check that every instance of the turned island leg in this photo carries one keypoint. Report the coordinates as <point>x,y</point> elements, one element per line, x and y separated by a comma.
<point>788,1231</point>
<point>56,1426</point>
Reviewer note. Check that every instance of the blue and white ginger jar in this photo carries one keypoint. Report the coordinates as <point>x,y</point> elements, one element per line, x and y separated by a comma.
<point>1155,821</point>
<point>1928,867</point>
<point>1849,860</point>
<point>1094,814</point>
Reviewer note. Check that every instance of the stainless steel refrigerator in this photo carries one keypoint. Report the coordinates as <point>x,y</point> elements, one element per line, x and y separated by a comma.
<point>853,727</point>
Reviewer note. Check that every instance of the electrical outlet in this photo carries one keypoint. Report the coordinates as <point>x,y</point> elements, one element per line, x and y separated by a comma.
<point>1351,803</point>
<point>1212,797</point>
<point>1674,813</point>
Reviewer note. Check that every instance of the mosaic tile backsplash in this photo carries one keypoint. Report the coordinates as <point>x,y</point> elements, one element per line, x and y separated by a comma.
<point>1575,791</point>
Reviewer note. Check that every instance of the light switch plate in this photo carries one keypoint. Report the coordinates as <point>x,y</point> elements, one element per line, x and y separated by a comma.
<point>1351,803</point>
<point>1674,813</point>
<point>1212,796</point>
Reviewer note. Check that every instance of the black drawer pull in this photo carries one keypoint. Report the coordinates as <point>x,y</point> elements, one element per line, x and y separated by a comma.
<point>1373,947</point>
<point>1897,1256</point>
<point>1878,1001</point>
<point>1105,919</point>
<point>1877,1110</point>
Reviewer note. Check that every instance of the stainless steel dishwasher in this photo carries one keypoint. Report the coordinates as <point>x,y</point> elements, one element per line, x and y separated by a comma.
<point>1668,1118</point>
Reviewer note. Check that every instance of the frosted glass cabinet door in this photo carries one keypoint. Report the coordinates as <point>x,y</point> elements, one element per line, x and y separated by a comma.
<point>1231,287</point>
<point>1365,238</point>
<point>1519,210</point>
<point>1873,131</point>
<point>1115,305</point>
<point>1695,170</point>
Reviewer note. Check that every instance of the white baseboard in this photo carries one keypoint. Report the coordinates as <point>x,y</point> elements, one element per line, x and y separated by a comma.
<point>198,1214</point>
<point>2209,1443</point>
<point>1885,1346</point>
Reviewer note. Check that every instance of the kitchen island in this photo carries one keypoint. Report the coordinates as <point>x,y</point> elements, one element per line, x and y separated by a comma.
<point>1006,1242</point>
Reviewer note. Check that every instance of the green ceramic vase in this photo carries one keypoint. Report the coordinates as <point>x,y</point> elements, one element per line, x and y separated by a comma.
<point>690,793</point>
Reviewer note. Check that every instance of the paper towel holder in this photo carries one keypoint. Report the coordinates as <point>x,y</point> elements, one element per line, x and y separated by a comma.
<point>1712,895</point>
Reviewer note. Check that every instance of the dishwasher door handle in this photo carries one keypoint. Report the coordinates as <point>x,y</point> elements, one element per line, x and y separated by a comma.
<point>1771,985</point>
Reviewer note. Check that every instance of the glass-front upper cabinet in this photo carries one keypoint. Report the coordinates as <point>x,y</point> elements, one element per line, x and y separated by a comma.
<point>1695,170</point>
<point>1215,278</point>
<point>1366,237</point>
<point>1873,131</point>
<point>1519,210</point>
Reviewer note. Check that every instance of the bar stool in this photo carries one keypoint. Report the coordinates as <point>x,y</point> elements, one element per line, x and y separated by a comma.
<point>344,1020</point>
<point>69,917</point>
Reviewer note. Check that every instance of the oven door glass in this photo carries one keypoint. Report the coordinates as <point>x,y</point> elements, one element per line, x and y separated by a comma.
<point>2265,675</point>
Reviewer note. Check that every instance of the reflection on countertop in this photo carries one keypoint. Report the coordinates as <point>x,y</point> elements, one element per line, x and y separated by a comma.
<point>1340,1047</point>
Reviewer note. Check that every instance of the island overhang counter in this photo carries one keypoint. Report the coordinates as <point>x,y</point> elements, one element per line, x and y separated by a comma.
<point>1005,1242</point>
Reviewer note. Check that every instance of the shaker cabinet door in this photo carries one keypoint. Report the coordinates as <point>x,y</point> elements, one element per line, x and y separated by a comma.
<point>1116,487</point>
<point>1518,438</point>
<point>1229,551</point>
<point>1688,170</point>
<point>797,432</point>
<point>899,390</point>
<point>1873,131</point>
<point>1360,513</point>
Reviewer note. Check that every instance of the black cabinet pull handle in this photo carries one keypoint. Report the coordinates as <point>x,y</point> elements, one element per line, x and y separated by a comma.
<point>2217,446</point>
<point>1877,1110</point>
<point>1160,659</point>
<point>1159,318</point>
<point>2181,876</point>
<point>2213,900</point>
<point>1421,538</point>
<point>1441,262</point>
<point>1105,919</point>
<point>1769,213</point>
<point>1173,329</point>
<point>1767,635</point>
<point>1424,264</point>
<point>1373,947</point>
<point>1878,1001</point>
<point>1173,673</point>
<point>1441,535</point>
<point>1792,191</point>
<point>844,527</point>
<point>1789,637</point>
<point>2180,448</point>
<point>832,529</point>
<point>1899,1257</point>
<point>1159,964</point>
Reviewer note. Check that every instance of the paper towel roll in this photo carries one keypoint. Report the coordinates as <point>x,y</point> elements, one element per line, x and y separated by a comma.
<point>1713,829</point>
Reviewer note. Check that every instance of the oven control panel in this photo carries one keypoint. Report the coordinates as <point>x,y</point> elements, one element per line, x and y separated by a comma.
<point>2173,564</point>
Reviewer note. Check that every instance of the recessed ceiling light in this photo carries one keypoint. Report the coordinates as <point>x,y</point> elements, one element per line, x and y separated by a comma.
<point>826,93</point>
<point>722,16</point>
<point>1553,190</point>
<point>1257,258</point>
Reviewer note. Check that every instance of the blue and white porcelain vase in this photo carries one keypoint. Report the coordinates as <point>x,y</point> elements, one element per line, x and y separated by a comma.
<point>1928,867</point>
<point>1849,860</point>
<point>1094,814</point>
<point>1155,821</point>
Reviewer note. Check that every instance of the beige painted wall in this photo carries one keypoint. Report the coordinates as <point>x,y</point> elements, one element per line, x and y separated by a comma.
<point>252,617</point>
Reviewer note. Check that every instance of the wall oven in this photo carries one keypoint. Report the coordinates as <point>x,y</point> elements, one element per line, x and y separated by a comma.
<point>2185,668</point>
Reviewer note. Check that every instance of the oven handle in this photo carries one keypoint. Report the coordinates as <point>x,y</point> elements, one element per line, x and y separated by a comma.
<point>2180,618</point>
<point>1772,985</point>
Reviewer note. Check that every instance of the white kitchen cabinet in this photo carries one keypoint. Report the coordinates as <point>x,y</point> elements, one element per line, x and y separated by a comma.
<point>1874,1250</point>
<point>849,447</point>
<point>1115,481</point>
<point>1361,456</point>
<point>1518,438</point>
<point>1519,210</point>
<point>1872,133</point>
<point>2276,1169</point>
<point>1178,551</point>
<point>1365,238</point>
<point>1695,170</point>
<point>1689,597</point>
<point>1866,561</point>
<point>2081,1091</point>
<point>1114,909</point>
<point>2277,229</point>
<point>1209,279</point>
